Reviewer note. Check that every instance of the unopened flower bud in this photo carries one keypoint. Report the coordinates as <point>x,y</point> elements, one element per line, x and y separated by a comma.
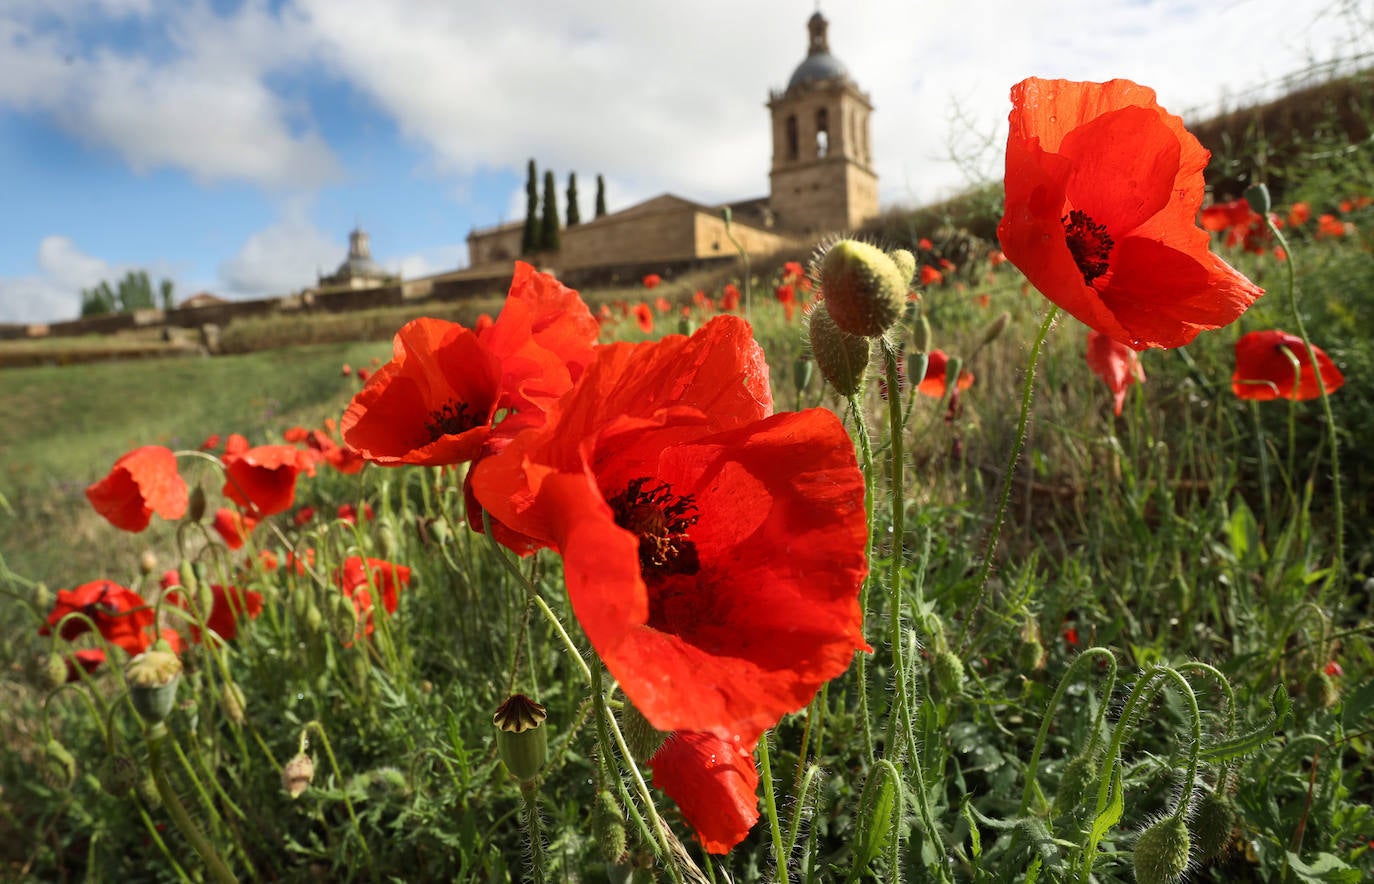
<point>993,330</point>
<point>949,673</point>
<point>233,702</point>
<point>50,671</point>
<point>520,737</point>
<point>865,291</point>
<point>1257,195</point>
<point>1079,775</point>
<point>642,737</point>
<point>195,507</point>
<point>906,264</point>
<point>147,790</point>
<point>147,562</point>
<point>1161,853</point>
<point>608,827</point>
<point>314,620</point>
<point>297,775</point>
<point>152,678</point>
<point>344,619</point>
<point>920,335</point>
<point>842,357</point>
<point>803,369</point>
<point>1322,691</point>
<point>118,774</point>
<point>59,767</point>
<point>685,325</point>
<point>1213,823</point>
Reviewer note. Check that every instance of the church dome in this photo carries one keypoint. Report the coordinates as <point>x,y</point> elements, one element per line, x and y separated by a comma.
<point>819,64</point>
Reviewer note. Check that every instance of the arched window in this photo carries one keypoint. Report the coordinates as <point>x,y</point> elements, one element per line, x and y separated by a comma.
<point>822,133</point>
<point>793,142</point>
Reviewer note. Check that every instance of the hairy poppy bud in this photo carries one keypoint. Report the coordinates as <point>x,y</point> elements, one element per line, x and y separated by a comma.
<point>1322,691</point>
<point>147,562</point>
<point>195,507</point>
<point>297,775</point>
<point>920,336</point>
<point>42,597</point>
<point>608,827</point>
<point>685,325</point>
<point>906,264</point>
<point>152,678</point>
<point>344,620</point>
<point>641,736</point>
<point>1076,781</point>
<point>1161,853</point>
<point>520,737</point>
<point>865,291</point>
<point>232,702</point>
<point>59,767</point>
<point>993,330</point>
<point>50,671</point>
<point>118,774</point>
<point>1213,824</point>
<point>949,673</point>
<point>842,357</point>
<point>313,618</point>
<point>803,368</point>
<point>147,790</point>
<point>1030,654</point>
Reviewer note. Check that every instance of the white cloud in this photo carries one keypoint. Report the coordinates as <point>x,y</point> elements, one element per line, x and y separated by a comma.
<point>282,258</point>
<point>54,292</point>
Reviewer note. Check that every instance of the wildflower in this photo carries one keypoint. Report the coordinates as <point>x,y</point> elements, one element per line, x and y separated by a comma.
<point>229,604</point>
<point>933,383</point>
<point>652,280</point>
<point>1268,362</point>
<point>262,480</point>
<point>645,317</point>
<point>712,553</point>
<point>792,270</point>
<point>233,526</point>
<point>663,305</point>
<point>303,515</point>
<point>1299,214</point>
<point>359,577</point>
<point>142,482</point>
<point>729,299</point>
<point>211,442</point>
<point>930,276</point>
<point>119,614</point>
<point>714,782</point>
<point>348,512</point>
<point>1117,365</point>
<point>787,297</point>
<point>1331,226</point>
<point>1103,186</point>
<point>86,660</point>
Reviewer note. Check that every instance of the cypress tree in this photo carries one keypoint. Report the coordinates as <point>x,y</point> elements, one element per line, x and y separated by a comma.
<point>574,214</point>
<point>600,196</point>
<point>530,242</point>
<point>548,232</point>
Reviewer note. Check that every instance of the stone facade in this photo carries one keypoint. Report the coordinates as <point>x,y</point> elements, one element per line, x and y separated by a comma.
<point>822,181</point>
<point>358,271</point>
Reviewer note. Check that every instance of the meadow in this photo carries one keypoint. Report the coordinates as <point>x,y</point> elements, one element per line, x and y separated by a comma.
<point>1095,643</point>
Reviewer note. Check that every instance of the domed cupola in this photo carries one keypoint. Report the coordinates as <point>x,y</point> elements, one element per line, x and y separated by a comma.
<point>819,64</point>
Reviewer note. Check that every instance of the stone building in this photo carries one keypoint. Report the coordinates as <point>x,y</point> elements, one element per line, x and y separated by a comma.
<point>822,181</point>
<point>358,271</point>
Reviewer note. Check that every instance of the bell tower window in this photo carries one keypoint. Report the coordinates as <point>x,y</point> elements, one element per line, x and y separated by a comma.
<point>822,133</point>
<point>793,141</point>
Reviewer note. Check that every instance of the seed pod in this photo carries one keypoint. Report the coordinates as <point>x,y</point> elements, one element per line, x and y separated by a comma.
<point>152,678</point>
<point>842,358</point>
<point>520,737</point>
<point>1161,852</point>
<point>865,291</point>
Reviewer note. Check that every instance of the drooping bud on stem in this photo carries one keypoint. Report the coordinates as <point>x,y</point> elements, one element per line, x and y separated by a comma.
<point>842,358</point>
<point>864,289</point>
<point>1161,853</point>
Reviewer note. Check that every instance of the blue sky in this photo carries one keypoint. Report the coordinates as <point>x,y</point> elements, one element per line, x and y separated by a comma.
<point>230,145</point>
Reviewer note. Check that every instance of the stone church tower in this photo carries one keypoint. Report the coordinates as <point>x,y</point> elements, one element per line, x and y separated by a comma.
<point>822,179</point>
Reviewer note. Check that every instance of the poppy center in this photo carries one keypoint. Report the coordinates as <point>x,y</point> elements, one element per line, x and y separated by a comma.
<point>661,520</point>
<point>1089,244</point>
<point>450,420</point>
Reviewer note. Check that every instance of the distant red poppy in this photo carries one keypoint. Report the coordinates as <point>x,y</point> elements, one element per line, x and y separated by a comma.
<point>645,317</point>
<point>925,244</point>
<point>729,298</point>
<point>86,660</point>
<point>349,513</point>
<point>484,322</point>
<point>715,784</point>
<point>363,375</point>
<point>360,577</point>
<point>303,515</point>
<point>142,482</point>
<point>1103,187</point>
<point>997,258</point>
<point>1333,669</point>
<point>792,270</point>
<point>663,305</point>
<point>295,435</point>
<point>229,605</point>
<point>119,614</point>
<point>1299,214</point>
<point>1117,365</point>
<point>712,554</point>
<point>233,526</point>
<point>930,276</point>
<point>1331,226</point>
<point>937,368</point>
<point>345,370</point>
<point>1265,368</point>
<point>211,442</point>
<point>652,280</point>
<point>787,297</point>
<point>262,480</point>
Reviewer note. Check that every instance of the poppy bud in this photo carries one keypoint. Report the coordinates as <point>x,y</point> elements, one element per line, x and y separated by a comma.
<point>147,562</point>
<point>42,597</point>
<point>1161,852</point>
<point>118,774</point>
<point>1213,823</point>
<point>949,673</point>
<point>865,291</point>
<point>313,618</point>
<point>1075,782</point>
<point>1030,654</point>
<point>297,775</point>
<point>1257,195</point>
<point>994,329</point>
<point>684,325</point>
<point>906,264</point>
<point>802,370</point>
<point>59,767</point>
<point>232,702</point>
<point>195,507</point>
<point>344,620</point>
<point>50,671</point>
<point>920,337</point>
<point>608,827</point>
<point>1322,691</point>
<point>641,736</point>
<point>147,790</point>
<point>520,737</point>
<point>842,357</point>
<point>152,678</point>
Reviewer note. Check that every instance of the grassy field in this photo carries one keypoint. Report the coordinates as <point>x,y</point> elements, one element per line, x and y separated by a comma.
<point>1165,631</point>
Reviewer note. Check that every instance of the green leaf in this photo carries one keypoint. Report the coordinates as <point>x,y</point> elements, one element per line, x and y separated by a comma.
<point>1325,869</point>
<point>1112,813</point>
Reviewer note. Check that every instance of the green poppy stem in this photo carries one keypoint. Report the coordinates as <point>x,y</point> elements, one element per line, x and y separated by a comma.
<point>154,736</point>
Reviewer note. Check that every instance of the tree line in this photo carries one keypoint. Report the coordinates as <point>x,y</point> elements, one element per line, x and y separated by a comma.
<point>133,292</point>
<point>541,217</point>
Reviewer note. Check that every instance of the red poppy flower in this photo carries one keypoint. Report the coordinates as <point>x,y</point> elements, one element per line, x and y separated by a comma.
<point>1265,368</point>
<point>233,526</point>
<point>142,482</point>
<point>715,784</point>
<point>119,614</point>
<point>229,605</point>
<point>930,276</point>
<point>997,258</point>
<point>652,280</point>
<point>712,554</point>
<point>924,243</point>
<point>349,513</point>
<point>295,435</point>
<point>345,370</point>
<point>663,305</point>
<point>1299,214</point>
<point>303,515</point>
<point>729,298</point>
<point>359,578</point>
<point>645,317</point>
<point>262,480</point>
<point>1333,669</point>
<point>787,297</point>
<point>211,442</point>
<point>1103,187</point>
<point>1117,365</point>
<point>937,368</point>
<point>86,660</point>
<point>484,322</point>
<point>1330,225</point>
<point>363,375</point>
<point>792,270</point>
